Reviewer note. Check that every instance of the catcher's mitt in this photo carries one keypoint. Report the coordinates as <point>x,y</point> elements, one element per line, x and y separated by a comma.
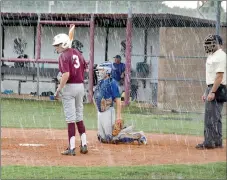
<point>117,127</point>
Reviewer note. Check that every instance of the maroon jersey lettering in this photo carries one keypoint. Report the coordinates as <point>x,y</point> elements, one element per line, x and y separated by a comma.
<point>72,61</point>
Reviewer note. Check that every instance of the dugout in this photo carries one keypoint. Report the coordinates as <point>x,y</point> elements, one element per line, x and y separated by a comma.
<point>157,40</point>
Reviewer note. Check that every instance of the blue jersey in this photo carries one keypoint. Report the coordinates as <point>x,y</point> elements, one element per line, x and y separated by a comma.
<point>117,70</point>
<point>105,93</point>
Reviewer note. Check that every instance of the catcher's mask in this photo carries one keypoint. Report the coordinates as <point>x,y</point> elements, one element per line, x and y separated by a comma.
<point>104,70</point>
<point>211,42</point>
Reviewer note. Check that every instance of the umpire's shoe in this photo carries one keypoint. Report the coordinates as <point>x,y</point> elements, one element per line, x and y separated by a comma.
<point>205,146</point>
<point>69,152</point>
<point>83,149</point>
<point>218,145</point>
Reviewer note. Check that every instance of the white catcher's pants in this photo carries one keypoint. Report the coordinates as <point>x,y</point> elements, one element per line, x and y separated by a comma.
<point>106,121</point>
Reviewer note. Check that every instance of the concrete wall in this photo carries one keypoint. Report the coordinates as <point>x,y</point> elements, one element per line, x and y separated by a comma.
<point>181,93</point>
<point>27,87</point>
<point>145,94</point>
<point>14,32</point>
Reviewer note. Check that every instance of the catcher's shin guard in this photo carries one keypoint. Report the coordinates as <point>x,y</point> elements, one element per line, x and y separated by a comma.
<point>108,140</point>
<point>126,140</point>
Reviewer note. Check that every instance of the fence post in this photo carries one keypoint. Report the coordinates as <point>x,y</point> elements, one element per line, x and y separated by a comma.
<point>0,54</point>
<point>91,63</point>
<point>38,51</point>
<point>218,18</point>
<point>128,57</point>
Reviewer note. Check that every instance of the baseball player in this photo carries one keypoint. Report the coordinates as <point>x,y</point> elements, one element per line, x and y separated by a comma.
<point>111,129</point>
<point>71,66</point>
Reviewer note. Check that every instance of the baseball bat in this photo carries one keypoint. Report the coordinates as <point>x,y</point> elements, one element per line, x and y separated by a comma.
<point>71,33</point>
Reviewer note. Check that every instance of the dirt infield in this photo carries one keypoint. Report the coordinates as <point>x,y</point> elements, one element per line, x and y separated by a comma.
<point>161,149</point>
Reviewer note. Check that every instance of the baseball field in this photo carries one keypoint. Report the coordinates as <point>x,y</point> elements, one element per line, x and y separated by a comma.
<point>33,133</point>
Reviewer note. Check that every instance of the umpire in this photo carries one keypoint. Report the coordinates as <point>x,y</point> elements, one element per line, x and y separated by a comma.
<point>215,80</point>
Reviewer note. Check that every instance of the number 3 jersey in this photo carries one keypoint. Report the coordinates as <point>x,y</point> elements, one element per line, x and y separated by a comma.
<point>105,93</point>
<point>72,61</point>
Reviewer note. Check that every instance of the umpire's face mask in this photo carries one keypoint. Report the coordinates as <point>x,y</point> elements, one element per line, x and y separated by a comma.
<point>210,47</point>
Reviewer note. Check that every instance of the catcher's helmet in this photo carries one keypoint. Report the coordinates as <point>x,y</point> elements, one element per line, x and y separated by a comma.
<point>62,39</point>
<point>104,69</point>
<point>210,42</point>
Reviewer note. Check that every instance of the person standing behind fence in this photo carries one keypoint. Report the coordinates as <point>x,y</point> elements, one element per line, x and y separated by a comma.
<point>72,66</point>
<point>118,72</point>
<point>215,80</point>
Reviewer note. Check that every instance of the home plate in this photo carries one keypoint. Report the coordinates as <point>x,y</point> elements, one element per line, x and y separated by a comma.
<point>34,145</point>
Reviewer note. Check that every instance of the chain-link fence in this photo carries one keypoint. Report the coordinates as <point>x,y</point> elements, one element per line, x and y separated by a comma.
<point>166,50</point>
<point>168,60</point>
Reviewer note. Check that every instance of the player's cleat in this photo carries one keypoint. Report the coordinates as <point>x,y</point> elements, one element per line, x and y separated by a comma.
<point>142,140</point>
<point>218,145</point>
<point>205,146</point>
<point>83,149</point>
<point>69,152</point>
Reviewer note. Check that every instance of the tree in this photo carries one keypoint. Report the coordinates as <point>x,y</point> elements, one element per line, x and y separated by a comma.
<point>209,10</point>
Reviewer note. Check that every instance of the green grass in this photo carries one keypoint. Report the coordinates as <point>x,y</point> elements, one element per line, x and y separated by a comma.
<point>204,171</point>
<point>49,114</point>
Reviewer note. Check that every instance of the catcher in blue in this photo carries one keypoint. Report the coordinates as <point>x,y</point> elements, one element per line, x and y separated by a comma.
<point>106,93</point>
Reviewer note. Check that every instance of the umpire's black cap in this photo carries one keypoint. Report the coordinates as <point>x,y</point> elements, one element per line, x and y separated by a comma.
<point>218,39</point>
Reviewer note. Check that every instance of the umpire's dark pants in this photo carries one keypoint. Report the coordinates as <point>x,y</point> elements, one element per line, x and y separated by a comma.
<point>212,121</point>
